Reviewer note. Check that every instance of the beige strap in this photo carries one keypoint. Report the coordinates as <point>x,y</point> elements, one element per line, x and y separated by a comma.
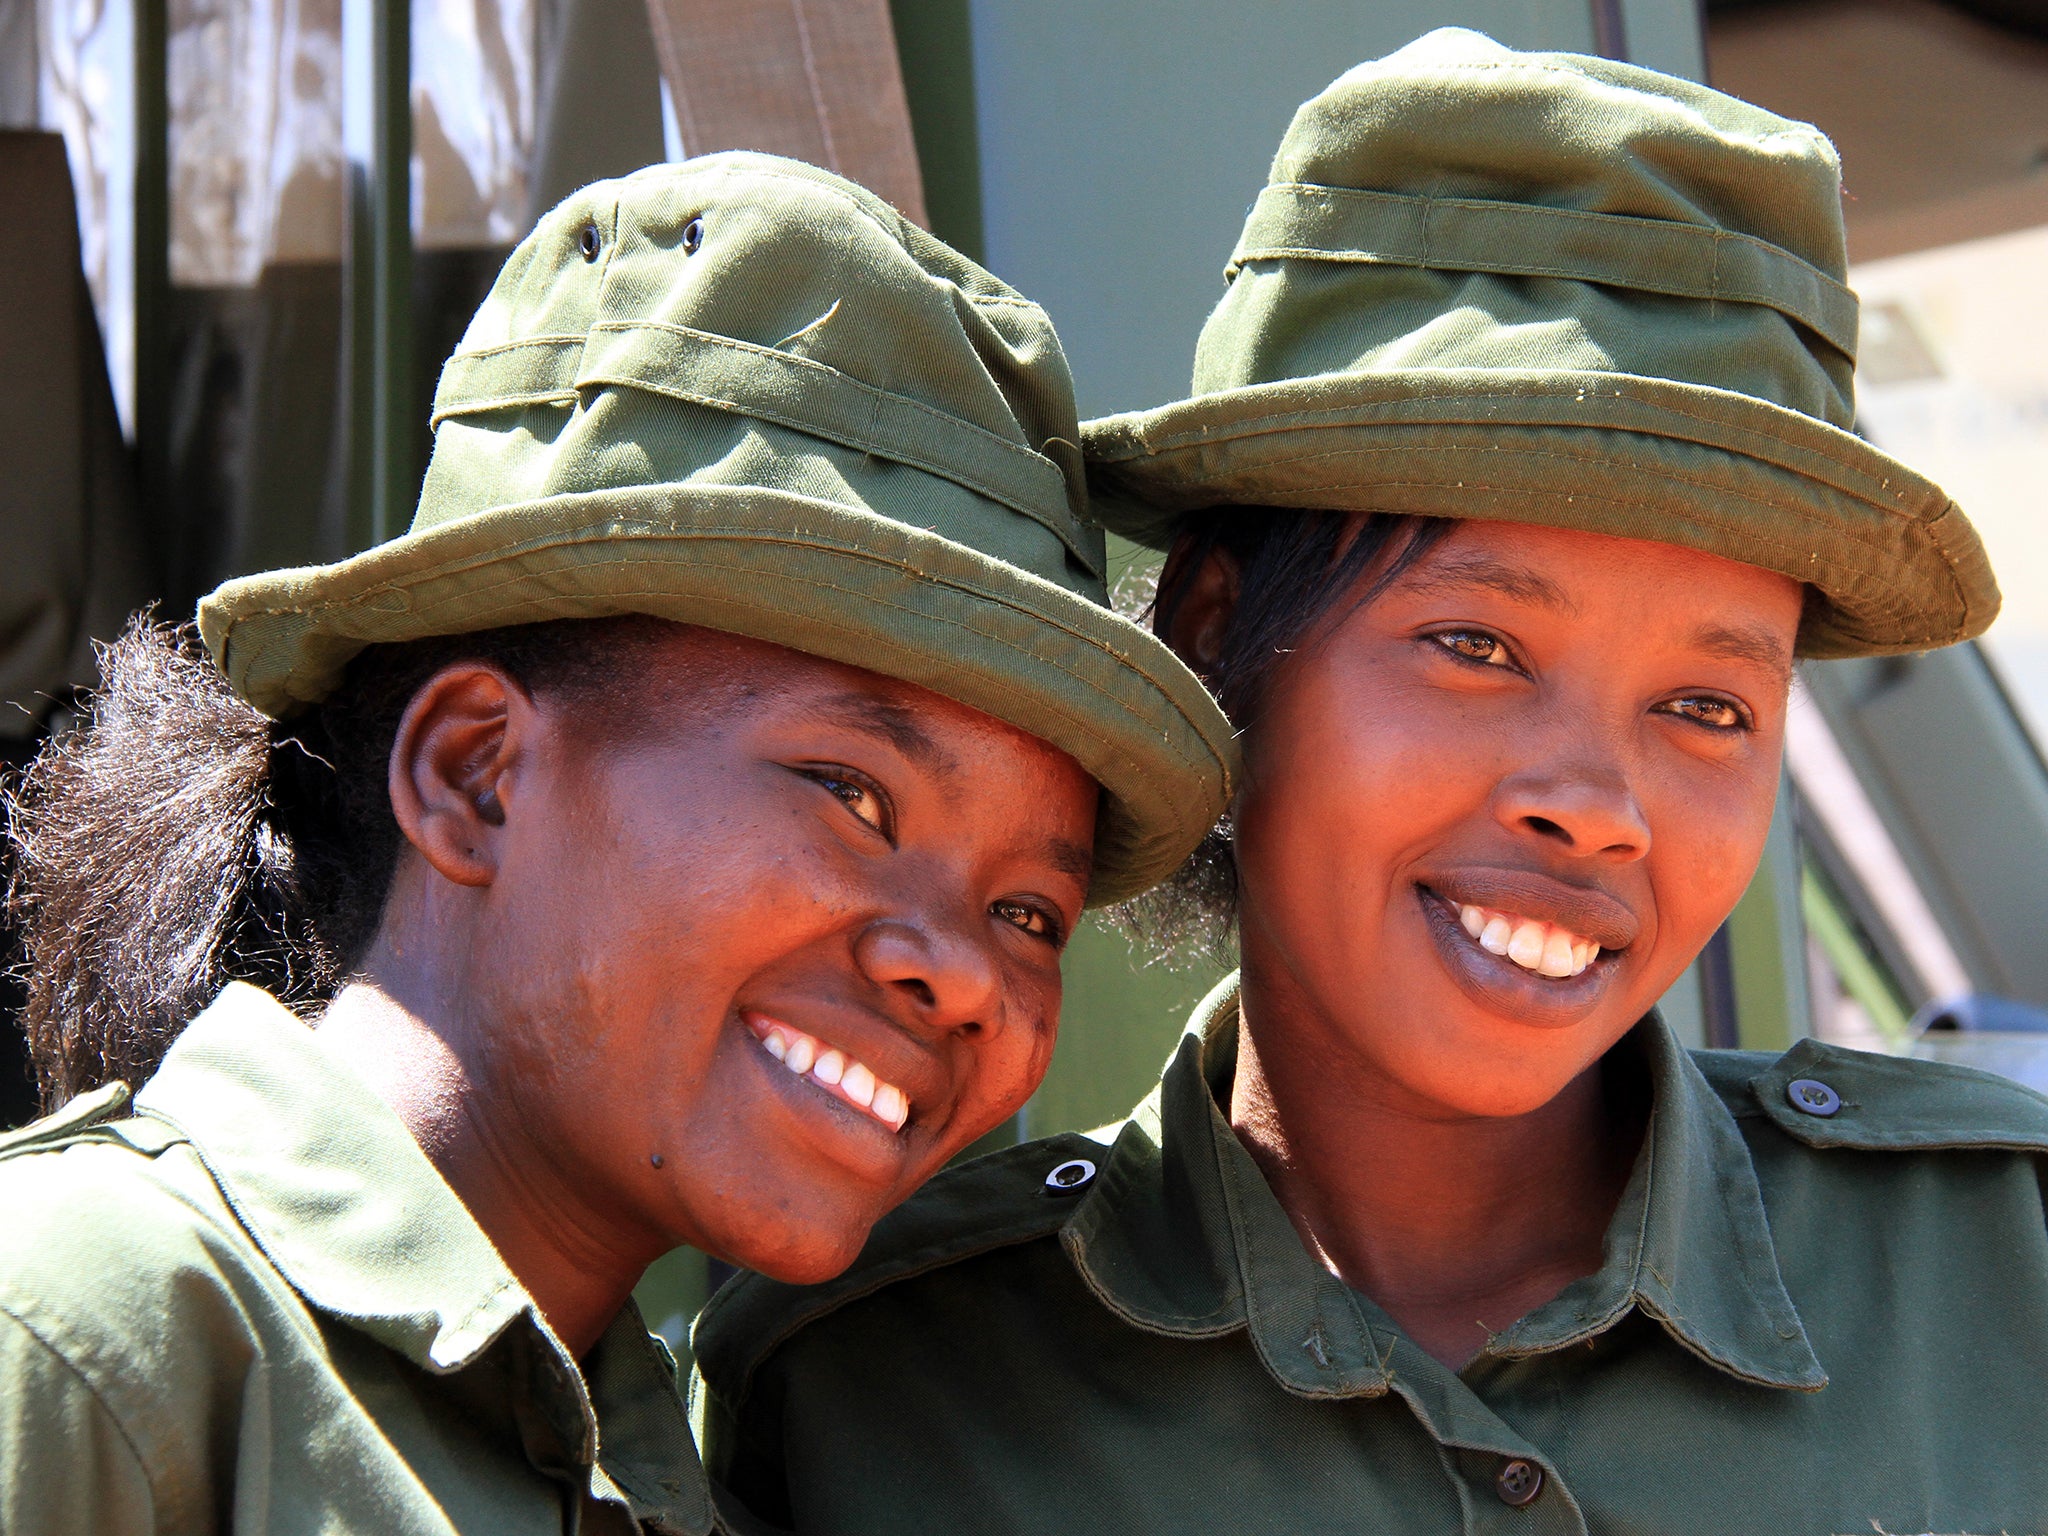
<point>817,80</point>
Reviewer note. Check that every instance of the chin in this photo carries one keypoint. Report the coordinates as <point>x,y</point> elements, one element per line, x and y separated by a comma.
<point>796,1252</point>
<point>1488,1082</point>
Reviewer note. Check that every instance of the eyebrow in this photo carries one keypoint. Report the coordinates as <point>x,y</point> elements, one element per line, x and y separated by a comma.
<point>1758,646</point>
<point>887,721</point>
<point>1458,569</point>
<point>1070,858</point>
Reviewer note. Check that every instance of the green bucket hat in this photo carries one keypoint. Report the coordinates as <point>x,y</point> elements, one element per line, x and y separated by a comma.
<point>744,393</point>
<point>1554,289</point>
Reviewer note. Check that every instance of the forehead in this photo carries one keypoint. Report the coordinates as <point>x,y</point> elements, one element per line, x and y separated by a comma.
<point>710,671</point>
<point>1599,579</point>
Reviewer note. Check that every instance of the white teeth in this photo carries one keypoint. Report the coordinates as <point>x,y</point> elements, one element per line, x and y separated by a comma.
<point>834,1072</point>
<point>1541,947</point>
<point>890,1107</point>
<point>859,1085</point>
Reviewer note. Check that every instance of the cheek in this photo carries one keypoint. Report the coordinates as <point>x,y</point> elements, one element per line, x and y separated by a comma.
<point>1350,778</point>
<point>1707,837</point>
<point>1007,1070</point>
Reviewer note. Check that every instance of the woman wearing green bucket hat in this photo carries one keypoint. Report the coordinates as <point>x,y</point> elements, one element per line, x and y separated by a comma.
<point>1516,476</point>
<point>671,838</point>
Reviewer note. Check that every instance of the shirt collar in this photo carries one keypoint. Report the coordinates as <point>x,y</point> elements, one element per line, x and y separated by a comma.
<point>332,1186</point>
<point>1181,1235</point>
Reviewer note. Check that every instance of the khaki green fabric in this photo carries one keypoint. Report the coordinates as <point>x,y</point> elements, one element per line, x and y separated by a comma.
<point>1803,1326</point>
<point>744,393</point>
<point>246,1302</point>
<point>1554,289</point>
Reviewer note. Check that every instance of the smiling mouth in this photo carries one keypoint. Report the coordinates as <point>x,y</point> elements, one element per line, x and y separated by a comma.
<point>832,1071</point>
<point>1547,949</point>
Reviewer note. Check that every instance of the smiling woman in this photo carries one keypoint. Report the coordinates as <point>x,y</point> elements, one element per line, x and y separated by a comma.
<point>1515,477</point>
<point>670,840</point>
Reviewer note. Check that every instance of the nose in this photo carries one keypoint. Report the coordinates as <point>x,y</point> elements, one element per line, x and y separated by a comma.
<point>950,977</point>
<point>1590,811</point>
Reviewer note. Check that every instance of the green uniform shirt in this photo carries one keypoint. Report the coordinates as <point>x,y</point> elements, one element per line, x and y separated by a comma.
<point>249,1303</point>
<point>1806,1324</point>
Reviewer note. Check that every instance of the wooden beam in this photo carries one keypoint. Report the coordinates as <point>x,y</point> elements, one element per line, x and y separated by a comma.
<point>817,80</point>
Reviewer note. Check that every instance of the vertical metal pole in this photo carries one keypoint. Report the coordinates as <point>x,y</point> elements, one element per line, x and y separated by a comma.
<point>394,475</point>
<point>1610,31</point>
<point>1721,1024</point>
<point>152,196</point>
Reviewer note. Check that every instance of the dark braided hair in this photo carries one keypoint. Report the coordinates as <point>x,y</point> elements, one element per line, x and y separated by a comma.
<point>178,840</point>
<point>1294,567</point>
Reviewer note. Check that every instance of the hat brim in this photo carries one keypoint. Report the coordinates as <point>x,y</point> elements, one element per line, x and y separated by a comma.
<point>813,575</point>
<point>1891,563</point>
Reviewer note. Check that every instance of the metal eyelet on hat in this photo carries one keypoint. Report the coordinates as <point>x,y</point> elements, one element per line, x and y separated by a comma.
<point>1070,1177</point>
<point>587,242</point>
<point>1810,1096</point>
<point>693,236</point>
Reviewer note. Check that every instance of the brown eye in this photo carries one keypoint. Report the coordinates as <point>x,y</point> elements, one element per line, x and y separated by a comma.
<point>857,795</point>
<point>1031,919</point>
<point>1717,714</point>
<point>1474,645</point>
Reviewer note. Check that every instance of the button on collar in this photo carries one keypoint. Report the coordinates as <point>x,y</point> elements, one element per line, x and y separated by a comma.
<point>1518,1482</point>
<point>1810,1096</point>
<point>1070,1177</point>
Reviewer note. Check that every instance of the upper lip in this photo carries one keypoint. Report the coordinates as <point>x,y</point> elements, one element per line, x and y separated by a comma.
<point>1591,914</point>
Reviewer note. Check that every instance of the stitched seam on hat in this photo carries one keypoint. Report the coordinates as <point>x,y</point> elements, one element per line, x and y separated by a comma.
<point>1745,528</point>
<point>471,593</point>
<point>499,349</point>
<point>1017,450</point>
<point>1276,422</point>
<point>1535,269</point>
<point>1958,596</point>
<point>476,407</point>
<point>755,535</point>
<point>1062,524</point>
<point>1069,535</point>
<point>1830,290</point>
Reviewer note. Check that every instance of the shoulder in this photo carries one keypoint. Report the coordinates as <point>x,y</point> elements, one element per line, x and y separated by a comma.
<point>120,1257</point>
<point>1830,1097</point>
<point>1005,1199</point>
<point>132,1302</point>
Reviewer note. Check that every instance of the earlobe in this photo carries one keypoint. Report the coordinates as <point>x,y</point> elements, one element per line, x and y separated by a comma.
<point>452,762</point>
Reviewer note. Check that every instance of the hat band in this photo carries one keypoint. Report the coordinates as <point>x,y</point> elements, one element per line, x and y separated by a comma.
<point>1691,261</point>
<point>763,382</point>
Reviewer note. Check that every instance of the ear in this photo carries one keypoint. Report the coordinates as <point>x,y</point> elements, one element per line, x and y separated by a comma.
<point>453,763</point>
<point>1207,601</point>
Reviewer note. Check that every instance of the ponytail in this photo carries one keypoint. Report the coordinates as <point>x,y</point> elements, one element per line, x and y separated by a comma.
<point>178,839</point>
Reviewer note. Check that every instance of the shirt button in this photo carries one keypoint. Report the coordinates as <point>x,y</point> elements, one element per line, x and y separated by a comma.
<point>1812,1097</point>
<point>1518,1482</point>
<point>1071,1177</point>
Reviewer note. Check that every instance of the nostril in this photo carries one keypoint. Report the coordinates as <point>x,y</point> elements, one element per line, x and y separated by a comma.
<point>1543,826</point>
<point>921,990</point>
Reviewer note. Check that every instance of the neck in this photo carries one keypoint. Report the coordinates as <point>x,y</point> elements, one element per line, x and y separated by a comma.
<point>422,1057</point>
<point>1456,1225</point>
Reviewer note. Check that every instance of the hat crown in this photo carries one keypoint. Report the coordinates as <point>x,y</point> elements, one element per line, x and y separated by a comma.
<point>1461,205</point>
<point>747,320</point>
